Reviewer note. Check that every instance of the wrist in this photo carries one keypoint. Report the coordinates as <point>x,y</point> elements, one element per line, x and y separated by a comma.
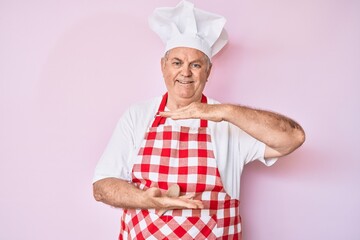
<point>226,112</point>
<point>150,198</point>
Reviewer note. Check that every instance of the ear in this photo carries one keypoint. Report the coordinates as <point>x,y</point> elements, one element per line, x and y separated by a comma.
<point>162,63</point>
<point>209,71</point>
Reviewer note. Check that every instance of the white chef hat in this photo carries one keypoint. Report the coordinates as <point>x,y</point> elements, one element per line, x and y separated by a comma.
<point>186,26</point>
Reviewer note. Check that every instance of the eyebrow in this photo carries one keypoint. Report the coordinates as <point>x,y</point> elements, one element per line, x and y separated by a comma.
<point>194,61</point>
<point>177,59</point>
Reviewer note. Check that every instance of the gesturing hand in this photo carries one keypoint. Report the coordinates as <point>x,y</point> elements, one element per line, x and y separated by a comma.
<point>212,112</point>
<point>172,199</point>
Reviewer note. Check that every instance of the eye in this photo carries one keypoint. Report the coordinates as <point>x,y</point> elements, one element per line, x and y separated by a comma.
<point>176,64</point>
<point>195,65</point>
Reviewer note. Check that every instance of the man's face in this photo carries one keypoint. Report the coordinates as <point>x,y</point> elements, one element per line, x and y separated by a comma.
<point>185,71</point>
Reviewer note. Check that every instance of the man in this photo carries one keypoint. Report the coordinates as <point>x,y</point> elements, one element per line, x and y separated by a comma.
<point>174,163</point>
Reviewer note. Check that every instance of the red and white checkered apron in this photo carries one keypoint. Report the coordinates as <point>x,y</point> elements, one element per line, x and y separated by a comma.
<point>185,156</point>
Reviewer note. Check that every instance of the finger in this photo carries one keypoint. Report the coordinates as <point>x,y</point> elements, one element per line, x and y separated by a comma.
<point>188,196</point>
<point>161,212</point>
<point>194,204</point>
<point>189,202</point>
<point>165,114</point>
<point>181,202</point>
<point>177,115</point>
<point>177,112</point>
<point>197,204</point>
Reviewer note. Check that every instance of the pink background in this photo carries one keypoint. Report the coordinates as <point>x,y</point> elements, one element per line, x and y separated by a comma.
<point>68,69</point>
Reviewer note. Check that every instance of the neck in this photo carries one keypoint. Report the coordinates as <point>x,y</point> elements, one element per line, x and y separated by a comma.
<point>174,103</point>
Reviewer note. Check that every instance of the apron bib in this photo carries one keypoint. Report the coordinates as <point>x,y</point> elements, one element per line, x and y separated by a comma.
<point>184,156</point>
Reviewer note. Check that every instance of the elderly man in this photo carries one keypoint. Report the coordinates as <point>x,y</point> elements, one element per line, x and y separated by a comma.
<point>174,163</point>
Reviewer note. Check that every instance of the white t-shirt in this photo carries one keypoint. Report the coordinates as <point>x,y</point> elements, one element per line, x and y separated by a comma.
<point>233,148</point>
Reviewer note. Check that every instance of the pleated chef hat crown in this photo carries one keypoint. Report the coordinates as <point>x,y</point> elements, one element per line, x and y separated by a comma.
<point>186,26</point>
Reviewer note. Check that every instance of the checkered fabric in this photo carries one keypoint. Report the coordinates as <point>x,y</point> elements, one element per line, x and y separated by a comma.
<point>185,156</point>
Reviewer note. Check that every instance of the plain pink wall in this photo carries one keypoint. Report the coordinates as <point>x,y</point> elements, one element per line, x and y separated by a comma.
<point>68,69</point>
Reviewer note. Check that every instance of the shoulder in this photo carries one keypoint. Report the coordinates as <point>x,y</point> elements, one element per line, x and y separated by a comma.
<point>149,105</point>
<point>142,112</point>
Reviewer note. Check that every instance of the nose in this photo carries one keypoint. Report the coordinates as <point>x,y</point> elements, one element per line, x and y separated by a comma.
<point>186,71</point>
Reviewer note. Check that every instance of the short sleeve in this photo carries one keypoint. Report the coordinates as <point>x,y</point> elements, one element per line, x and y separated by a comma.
<point>115,161</point>
<point>253,149</point>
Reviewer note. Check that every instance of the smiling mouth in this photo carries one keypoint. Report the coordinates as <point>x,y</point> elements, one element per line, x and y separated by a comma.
<point>184,82</point>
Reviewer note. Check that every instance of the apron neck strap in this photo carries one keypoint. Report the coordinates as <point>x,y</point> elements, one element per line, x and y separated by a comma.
<point>161,120</point>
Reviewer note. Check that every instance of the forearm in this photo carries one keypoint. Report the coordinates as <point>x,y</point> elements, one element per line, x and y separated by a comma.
<point>121,194</point>
<point>278,132</point>
<point>281,134</point>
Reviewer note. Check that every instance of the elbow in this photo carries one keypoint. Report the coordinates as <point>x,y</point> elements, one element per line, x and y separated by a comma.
<point>298,140</point>
<point>98,197</point>
<point>97,192</point>
<point>297,136</point>
<point>286,145</point>
<point>293,143</point>
<point>301,136</point>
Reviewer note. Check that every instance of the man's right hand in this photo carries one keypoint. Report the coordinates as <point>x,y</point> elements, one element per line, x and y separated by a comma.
<point>122,194</point>
<point>172,200</point>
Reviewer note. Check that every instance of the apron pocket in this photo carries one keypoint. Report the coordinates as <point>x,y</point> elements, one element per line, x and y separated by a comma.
<point>172,227</point>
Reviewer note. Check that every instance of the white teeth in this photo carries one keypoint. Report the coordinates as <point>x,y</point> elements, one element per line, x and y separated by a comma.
<point>184,82</point>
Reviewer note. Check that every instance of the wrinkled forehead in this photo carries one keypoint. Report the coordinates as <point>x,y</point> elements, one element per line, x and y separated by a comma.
<point>186,53</point>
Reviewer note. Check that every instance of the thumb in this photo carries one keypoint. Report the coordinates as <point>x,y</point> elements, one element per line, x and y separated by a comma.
<point>153,192</point>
